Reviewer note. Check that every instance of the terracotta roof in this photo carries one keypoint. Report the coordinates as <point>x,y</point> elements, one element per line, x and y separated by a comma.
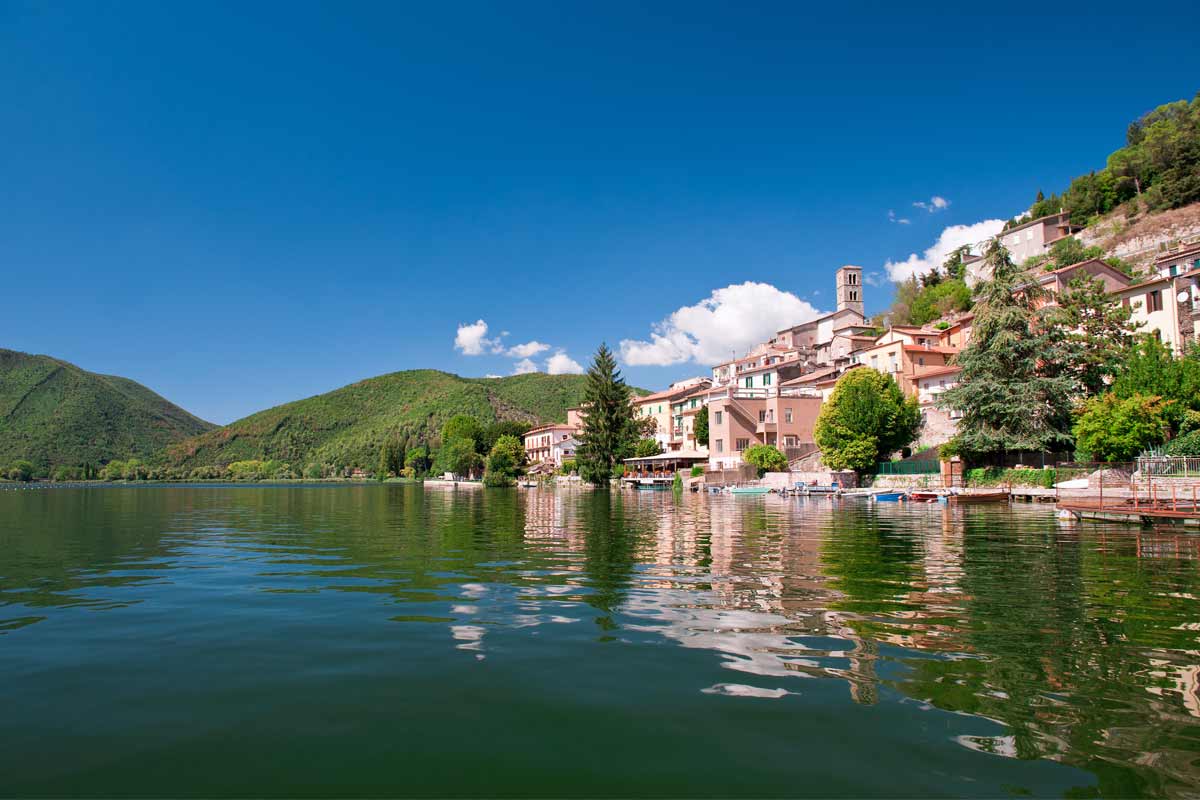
<point>810,377</point>
<point>549,427</point>
<point>1144,284</point>
<point>927,372</point>
<point>917,348</point>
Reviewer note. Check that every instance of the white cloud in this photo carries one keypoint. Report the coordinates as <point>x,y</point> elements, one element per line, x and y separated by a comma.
<point>472,339</point>
<point>562,364</point>
<point>899,220</point>
<point>524,366</point>
<point>875,278</point>
<point>528,349</point>
<point>935,204</point>
<point>729,321</point>
<point>950,239</point>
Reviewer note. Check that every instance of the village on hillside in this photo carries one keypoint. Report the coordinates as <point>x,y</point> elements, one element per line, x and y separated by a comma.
<point>773,394</point>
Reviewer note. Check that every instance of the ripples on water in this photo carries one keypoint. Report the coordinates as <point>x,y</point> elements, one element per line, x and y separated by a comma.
<point>392,640</point>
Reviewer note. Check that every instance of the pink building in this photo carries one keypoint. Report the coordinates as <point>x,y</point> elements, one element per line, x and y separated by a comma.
<point>550,444</point>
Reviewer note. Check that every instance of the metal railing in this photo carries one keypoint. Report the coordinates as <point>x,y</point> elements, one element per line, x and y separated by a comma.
<point>1169,466</point>
<point>908,468</point>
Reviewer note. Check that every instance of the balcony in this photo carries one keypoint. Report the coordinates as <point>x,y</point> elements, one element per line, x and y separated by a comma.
<point>767,426</point>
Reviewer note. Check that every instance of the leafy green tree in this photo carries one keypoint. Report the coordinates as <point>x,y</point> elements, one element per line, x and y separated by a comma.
<point>647,447</point>
<point>505,461</point>
<point>419,460</point>
<point>463,426</point>
<point>766,458</point>
<point>502,427</point>
<point>21,470</point>
<point>867,417</point>
<point>458,456</point>
<point>1116,429</point>
<point>609,431</point>
<point>568,466</point>
<point>1070,250</point>
<point>1150,368</point>
<point>1098,333</point>
<point>700,427</point>
<point>938,300</point>
<point>1012,392</point>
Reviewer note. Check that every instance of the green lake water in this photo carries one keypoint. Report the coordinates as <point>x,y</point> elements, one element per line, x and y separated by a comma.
<point>394,640</point>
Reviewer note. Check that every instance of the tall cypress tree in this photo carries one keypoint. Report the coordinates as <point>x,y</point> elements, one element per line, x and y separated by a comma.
<point>609,432</point>
<point>1014,393</point>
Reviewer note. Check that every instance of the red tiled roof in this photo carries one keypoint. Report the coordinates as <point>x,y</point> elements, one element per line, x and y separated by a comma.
<point>935,371</point>
<point>917,348</point>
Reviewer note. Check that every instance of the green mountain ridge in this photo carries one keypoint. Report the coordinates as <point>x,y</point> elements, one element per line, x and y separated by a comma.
<point>348,426</point>
<point>55,413</point>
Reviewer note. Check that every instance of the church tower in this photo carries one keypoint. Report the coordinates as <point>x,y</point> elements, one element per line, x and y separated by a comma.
<point>850,289</point>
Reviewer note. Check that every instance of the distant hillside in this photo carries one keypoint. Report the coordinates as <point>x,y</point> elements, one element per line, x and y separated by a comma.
<point>349,425</point>
<point>54,413</point>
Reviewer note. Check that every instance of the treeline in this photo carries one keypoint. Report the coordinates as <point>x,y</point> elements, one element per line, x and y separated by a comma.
<point>1159,167</point>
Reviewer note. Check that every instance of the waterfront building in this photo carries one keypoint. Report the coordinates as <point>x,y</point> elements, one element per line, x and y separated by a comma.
<point>550,444</point>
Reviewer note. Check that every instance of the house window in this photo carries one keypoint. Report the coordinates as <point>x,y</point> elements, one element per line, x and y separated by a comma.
<point>767,379</point>
<point>1154,301</point>
<point>720,445</point>
<point>892,362</point>
<point>717,417</point>
<point>762,416</point>
<point>874,362</point>
<point>742,444</point>
<point>787,415</point>
<point>921,361</point>
<point>750,382</point>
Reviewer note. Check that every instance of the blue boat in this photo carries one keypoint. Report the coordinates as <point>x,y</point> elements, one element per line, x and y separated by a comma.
<point>888,497</point>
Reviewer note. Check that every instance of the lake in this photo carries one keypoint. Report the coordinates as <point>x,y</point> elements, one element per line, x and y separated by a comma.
<point>394,640</point>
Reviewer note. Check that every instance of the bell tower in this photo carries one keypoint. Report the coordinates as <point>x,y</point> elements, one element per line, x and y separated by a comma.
<point>850,289</point>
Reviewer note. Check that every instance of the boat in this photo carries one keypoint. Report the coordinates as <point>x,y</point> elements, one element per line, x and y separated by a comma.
<point>750,490</point>
<point>888,497</point>
<point>926,496</point>
<point>978,497</point>
<point>527,484</point>
<point>811,489</point>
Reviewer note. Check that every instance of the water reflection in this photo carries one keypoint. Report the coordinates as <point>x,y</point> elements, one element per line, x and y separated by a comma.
<point>1031,642</point>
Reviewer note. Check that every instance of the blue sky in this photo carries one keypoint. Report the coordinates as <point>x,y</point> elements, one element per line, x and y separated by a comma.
<point>240,205</point>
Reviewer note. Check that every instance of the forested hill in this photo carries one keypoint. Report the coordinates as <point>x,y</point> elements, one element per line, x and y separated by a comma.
<point>348,426</point>
<point>52,413</point>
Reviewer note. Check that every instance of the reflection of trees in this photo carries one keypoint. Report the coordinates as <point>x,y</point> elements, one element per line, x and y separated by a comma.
<point>1067,638</point>
<point>608,552</point>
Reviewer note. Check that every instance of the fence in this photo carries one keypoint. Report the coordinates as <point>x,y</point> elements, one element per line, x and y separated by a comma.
<point>920,467</point>
<point>1169,467</point>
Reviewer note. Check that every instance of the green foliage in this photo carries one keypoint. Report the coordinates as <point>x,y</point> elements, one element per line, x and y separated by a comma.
<point>766,458</point>
<point>866,418</point>
<point>458,456</point>
<point>502,427</point>
<point>53,412</point>
<point>1160,163</point>
<point>993,476</point>
<point>697,471</point>
<point>505,461</point>
<point>700,426</point>
<point>567,467</point>
<point>1187,444</point>
<point>1012,391</point>
<point>953,267</point>
<point>939,300</point>
<point>419,460</point>
<point>1097,333</point>
<point>1112,428</point>
<point>1070,250</point>
<point>346,427</point>
<point>1151,369</point>
<point>647,447</point>
<point>463,426</point>
<point>609,429</point>
<point>20,470</point>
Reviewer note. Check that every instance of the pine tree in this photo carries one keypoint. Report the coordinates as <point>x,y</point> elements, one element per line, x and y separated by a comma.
<point>1098,333</point>
<point>1014,393</point>
<point>609,433</point>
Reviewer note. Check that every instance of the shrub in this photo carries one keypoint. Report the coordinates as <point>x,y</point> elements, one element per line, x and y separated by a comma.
<point>766,458</point>
<point>647,447</point>
<point>1186,445</point>
<point>697,471</point>
<point>21,470</point>
<point>1116,429</point>
<point>568,466</point>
